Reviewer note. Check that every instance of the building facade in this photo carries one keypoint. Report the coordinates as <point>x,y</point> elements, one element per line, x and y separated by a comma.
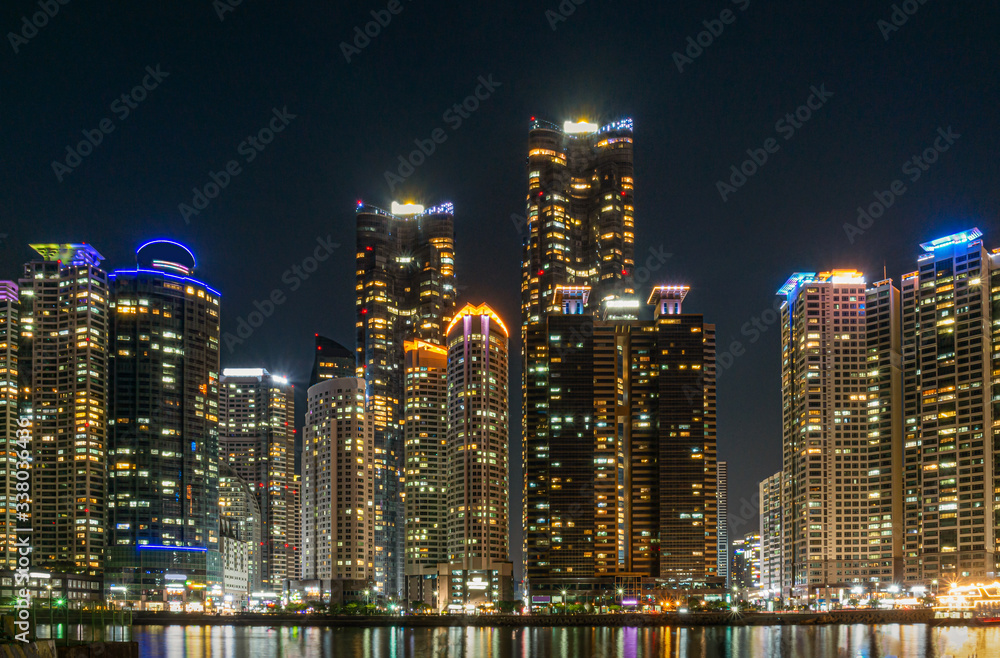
<point>426,468</point>
<point>620,450</point>
<point>479,570</point>
<point>769,494</point>
<point>238,506</point>
<point>10,334</point>
<point>405,291</point>
<point>163,444</point>
<point>722,495</point>
<point>63,377</point>
<point>257,439</point>
<point>338,490</point>
<point>841,386</point>
<point>331,360</point>
<point>950,339</point>
<point>580,214</point>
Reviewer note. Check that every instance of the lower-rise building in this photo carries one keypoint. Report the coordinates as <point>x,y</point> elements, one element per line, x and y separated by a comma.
<point>338,492</point>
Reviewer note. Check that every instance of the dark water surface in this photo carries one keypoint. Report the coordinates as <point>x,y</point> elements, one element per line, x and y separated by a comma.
<point>911,641</point>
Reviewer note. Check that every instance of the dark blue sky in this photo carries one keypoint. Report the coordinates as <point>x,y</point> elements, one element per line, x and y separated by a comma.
<point>352,120</point>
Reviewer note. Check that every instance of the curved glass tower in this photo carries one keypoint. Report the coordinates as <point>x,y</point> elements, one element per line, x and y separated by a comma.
<point>163,438</point>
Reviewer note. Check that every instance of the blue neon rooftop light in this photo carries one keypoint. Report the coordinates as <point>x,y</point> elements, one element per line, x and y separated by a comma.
<point>795,281</point>
<point>447,208</point>
<point>621,124</point>
<point>156,547</point>
<point>962,237</point>
<point>185,279</point>
<point>173,242</point>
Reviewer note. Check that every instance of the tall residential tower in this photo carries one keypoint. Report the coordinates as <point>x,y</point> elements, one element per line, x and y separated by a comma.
<point>163,444</point>
<point>478,482</point>
<point>405,291</point>
<point>338,490</point>
<point>63,373</point>
<point>257,439</point>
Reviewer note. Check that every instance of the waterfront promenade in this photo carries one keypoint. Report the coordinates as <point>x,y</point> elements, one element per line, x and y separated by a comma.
<point>921,616</point>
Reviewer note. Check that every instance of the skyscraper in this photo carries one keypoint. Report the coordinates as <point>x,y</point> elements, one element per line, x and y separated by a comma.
<point>951,339</point>
<point>405,291</point>
<point>331,360</point>
<point>63,368</point>
<point>769,491</point>
<point>840,377</point>
<point>886,467</point>
<point>10,329</point>
<point>163,444</point>
<point>239,508</point>
<point>722,494</point>
<point>825,419</point>
<point>478,483</point>
<point>257,439</point>
<point>338,490</point>
<point>580,214</point>
<point>620,448</point>
<point>426,468</point>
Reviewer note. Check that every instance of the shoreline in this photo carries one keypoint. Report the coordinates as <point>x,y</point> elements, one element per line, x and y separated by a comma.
<point>867,617</point>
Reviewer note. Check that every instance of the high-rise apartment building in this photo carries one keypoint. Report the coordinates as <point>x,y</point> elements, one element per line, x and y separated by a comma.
<point>425,435</point>
<point>257,439</point>
<point>620,448</point>
<point>478,483</point>
<point>580,214</point>
<point>751,552</point>
<point>885,469</point>
<point>338,490</point>
<point>722,495</point>
<point>769,495</point>
<point>825,427</point>
<point>951,339</point>
<point>239,508</point>
<point>840,388</point>
<point>62,370</point>
<point>405,291</point>
<point>331,360</point>
<point>738,562</point>
<point>163,443</point>
<point>578,252</point>
<point>9,414</point>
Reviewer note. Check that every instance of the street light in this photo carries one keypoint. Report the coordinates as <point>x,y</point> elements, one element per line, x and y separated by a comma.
<point>564,601</point>
<point>51,633</point>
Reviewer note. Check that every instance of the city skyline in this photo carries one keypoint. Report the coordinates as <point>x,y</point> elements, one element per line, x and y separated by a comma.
<point>891,93</point>
<point>971,234</point>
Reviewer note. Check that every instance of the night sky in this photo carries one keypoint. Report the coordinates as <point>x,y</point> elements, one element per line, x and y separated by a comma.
<point>887,92</point>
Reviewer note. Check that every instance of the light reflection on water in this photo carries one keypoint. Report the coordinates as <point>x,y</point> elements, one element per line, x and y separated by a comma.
<point>910,641</point>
